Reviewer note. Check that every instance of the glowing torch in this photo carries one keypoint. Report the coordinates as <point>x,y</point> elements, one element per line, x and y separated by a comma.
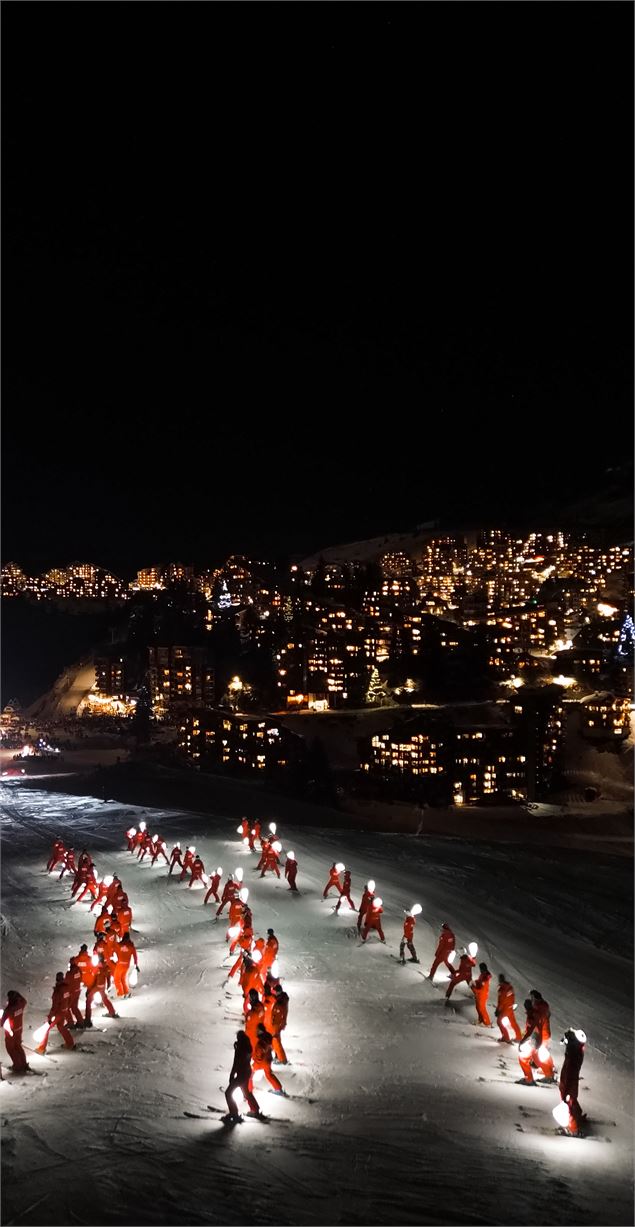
<point>192,849</point>
<point>243,894</point>
<point>7,1026</point>
<point>416,909</point>
<point>233,931</point>
<point>94,958</point>
<point>245,841</point>
<point>543,1053</point>
<point>452,956</point>
<point>377,902</point>
<point>220,871</point>
<point>275,969</point>
<point>525,1049</point>
<point>239,830</point>
<point>277,846</point>
<point>370,885</point>
<point>238,874</point>
<point>257,956</point>
<point>108,880</point>
<point>142,826</point>
<point>273,827</point>
<point>290,856</point>
<point>133,977</point>
<point>561,1115</point>
<point>472,949</point>
<point>131,832</point>
<point>41,1035</point>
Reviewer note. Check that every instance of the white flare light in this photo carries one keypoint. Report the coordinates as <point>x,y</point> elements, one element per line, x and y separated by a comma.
<point>472,949</point>
<point>220,871</point>
<point>451,956</point>
<point>239,830</point>
<point>370,885</point>
<point>94,958</point>
<point>205,880</point>
<point>131,832</point>
<point>339,868</point>
<point>42,1032</point>
<point>246,842</point>
<point>580,1036</point>
<point>275,969</point>
<point>525,1049</point>
<point>561,1115</point>
<point>243,894</point>
<point>238,874</point>
<point>142,826</point>
<point>7,1026</point>
<point>416,909</point>
<point>133,977</point>
<point>178,846</point>
<point>290,856</point>
<point>191,848</point>
<point>277,846</point>
<point>377,902</point>
<point>543,1053</point>
<point>233,931</point>
<point>237,1096</point>
<point>108,880</point>
<point>273,827</point>
<point>257,956</point>
<point>154,838</point>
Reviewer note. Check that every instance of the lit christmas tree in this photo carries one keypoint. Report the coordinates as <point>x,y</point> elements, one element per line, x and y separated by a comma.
<point>376,693</point>
<point>626,641</point>
<point>224,600</point>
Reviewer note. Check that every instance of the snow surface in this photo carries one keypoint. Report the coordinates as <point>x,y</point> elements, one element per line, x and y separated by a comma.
<point>400,1111</point>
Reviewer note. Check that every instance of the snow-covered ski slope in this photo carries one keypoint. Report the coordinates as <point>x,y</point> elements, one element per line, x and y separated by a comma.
<point>400,1110</point>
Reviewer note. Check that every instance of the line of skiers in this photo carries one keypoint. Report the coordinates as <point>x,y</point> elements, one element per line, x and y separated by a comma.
<point>112,955</point>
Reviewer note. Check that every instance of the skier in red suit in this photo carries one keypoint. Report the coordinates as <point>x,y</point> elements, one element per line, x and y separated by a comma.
<point>462,973</point>
<point>291,870</point>
<point>408,934</point>
<point>480,988</point>
<point>12,1022</point>
<point>372,920</point>
<point>334,879</point>
<point>574,1042</point>
<point>345,892</point>
<point>73,980</point>
<point>58,1015</point>
<point>214,883</point>
<point>445,946</point>
<point>175,858</point>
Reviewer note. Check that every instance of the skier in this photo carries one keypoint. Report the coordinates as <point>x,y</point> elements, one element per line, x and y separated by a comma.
<point>124,914</point>
<point>102,922</point>
<point>504,1012</point>
<point>198,869</point>
<point>262,1059</point>
<point>542,1015</point>
<point>250,977</point>
<point>73,980</point>
<point>175,859</point>
<point>445,946</point>
<point>345,892</point>
<point>213,885</point>
<point>480,988</point>
<point>230,889</point>
<point>255,1016</point>
<point>12,1021</point>
<point>148,845</point>
<point>277,1021</point>
<point>57,855</point>
<point>270,951</point>
<point>188,861</point>
<point>264,848</point>
<point>126,952</point>
<point>58,1014</point>
<point>462,973</point>
<point>334,878</point>
<point>254,834</point>
<point>367,899</point>
<point>408,934</point>
<point>244,828</point>
<point>272,857</point>
<point>131,835</point>
<point>291,870</point>
<point>160,851</point>
<point>372,920</point>
<point>98,986</point>
<point>69,863</point>
<point>240,1078</point>
<point>574,1043</point>
<point>84,961</point>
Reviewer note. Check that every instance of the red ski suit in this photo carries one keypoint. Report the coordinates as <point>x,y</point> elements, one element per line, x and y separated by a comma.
<point>98,988</point>
<point>213,887</point>
<point>345,893</point>
<point>569,1082</point>
<point>73,979</point>
<point>463,972</point>
<point>58,1016</point>
<point>505,1013</point>
<point>445,946</point>
<point>240,1078</point>
<point>262,1060</point>
<point>372,921</point>
<point>367,899</point>
<point>276,1021</point>
<point>291,873</point>
<point>480,988</point>
<point>230,889</point>
<point>126,952</point>
<point>334,881</point>
<point>12,1022</point>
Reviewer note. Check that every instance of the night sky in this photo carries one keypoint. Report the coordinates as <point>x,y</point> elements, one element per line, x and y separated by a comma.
<point>279,276</point>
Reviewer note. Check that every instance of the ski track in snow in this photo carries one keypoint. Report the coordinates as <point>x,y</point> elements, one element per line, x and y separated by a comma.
<point>414,1117</point>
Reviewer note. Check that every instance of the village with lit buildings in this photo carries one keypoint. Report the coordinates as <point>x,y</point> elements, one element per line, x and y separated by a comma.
<point>481,651</point>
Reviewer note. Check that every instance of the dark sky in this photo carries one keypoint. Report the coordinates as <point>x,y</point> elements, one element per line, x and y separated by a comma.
<point>276,276</point>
